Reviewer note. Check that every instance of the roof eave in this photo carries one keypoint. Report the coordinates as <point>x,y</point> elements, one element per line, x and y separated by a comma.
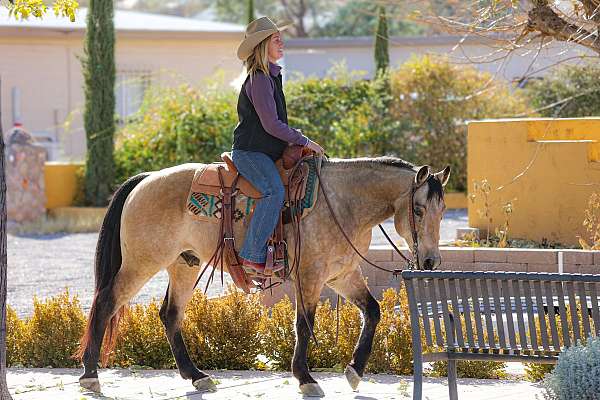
<point>29,31</point>
<point>365,41</point>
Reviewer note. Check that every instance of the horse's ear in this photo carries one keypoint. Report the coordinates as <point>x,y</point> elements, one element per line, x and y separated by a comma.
<point>444,175</point>
<point>422,175</point>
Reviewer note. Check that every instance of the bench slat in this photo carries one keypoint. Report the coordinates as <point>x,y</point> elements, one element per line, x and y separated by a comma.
<point>498,311</point>
<point>435,314</point>
<point>487,310</point>
<point>551,315</point>
<point>585,317</point>
<point>477,313</point>
<point>520,315</point>
<point>573,307</point>
<point>420,290</point>
<point>464,296</point>
<point>448,320</point>
<point>469,295</point>
<point>562,310</point>
<point>506,293</point>
<point>595,310</point>
<point>530,316</point>
<point>539,300</point>
<point>457,319</point>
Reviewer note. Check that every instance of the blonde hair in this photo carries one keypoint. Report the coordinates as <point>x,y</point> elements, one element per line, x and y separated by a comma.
<point>259,59</point>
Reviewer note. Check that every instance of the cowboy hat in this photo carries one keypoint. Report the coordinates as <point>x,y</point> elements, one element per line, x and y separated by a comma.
<point>257,31</point>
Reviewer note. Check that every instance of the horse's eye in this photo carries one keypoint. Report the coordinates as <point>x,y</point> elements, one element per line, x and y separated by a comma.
<point>419,211</point>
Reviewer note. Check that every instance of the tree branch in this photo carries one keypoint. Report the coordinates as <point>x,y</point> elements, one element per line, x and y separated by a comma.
<point>544,19</point>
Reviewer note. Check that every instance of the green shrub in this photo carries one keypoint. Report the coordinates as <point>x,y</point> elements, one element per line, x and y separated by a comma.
<point>326,354</point>
<point>392,348</point>
<point>350,117</point>
<point>52,333</point>
<point>175,126</point>
<point>567,91</point>
<point>15,338</point>
<point>223,333</point>
<point>392,345</point>
<point>471,369</point>
<point>277,333</point>
<point>576,374</point>
<point>141,340</point>
<point>437,99</point>
<point>537,372</point>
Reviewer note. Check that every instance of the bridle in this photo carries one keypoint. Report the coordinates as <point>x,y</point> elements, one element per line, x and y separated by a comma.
<point>410,263</point>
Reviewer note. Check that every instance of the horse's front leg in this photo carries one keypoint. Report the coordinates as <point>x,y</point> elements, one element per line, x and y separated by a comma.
<point>353,288</point>
<point>309,297</point>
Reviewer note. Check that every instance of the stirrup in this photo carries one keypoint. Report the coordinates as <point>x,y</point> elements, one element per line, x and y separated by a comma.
<point>255,273</point>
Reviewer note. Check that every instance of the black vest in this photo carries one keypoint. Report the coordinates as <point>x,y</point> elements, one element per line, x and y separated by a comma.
<point>249,134</point>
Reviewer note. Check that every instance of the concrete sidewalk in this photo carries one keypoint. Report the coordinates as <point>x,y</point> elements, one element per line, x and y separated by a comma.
<point>58,384</point>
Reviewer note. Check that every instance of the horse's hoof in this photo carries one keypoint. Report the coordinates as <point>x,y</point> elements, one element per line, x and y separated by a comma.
<point>352,377</point>
<point>312,390</point>
<point>205,384</point>
<point>92,384</point>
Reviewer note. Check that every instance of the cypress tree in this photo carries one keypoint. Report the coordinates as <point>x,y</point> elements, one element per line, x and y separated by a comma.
<point>250,11</point>
<point>382,56</point>
<point>99,114</point>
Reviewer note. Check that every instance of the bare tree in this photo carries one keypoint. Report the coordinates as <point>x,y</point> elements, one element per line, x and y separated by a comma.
<point>519,23</point>
<point>4,393</point>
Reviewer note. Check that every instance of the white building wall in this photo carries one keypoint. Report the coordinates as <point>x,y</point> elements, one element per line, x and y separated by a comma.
<point>317,56</point>
<point>47,72</point>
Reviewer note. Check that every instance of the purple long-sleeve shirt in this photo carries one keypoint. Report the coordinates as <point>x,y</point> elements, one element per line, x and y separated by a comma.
<point>260,91</point>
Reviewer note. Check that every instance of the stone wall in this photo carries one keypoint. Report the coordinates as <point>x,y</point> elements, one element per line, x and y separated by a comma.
<point>26,198</point>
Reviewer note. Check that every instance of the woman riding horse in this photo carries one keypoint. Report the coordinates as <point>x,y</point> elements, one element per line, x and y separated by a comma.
<point>147,228</point>
<point>262,134</point>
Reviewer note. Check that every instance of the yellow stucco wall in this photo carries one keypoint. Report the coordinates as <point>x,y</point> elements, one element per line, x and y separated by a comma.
<point>549,166</point>
<point>61,183</point>
<point>455,200</point>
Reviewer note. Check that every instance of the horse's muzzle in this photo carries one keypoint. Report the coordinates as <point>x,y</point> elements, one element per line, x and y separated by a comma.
<point>431,263</point>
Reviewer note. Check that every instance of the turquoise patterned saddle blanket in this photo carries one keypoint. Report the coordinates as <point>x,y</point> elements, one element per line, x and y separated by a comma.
<point>204,202</point>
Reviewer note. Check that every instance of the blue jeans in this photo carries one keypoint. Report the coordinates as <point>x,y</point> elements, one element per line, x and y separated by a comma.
<point>261,172</point>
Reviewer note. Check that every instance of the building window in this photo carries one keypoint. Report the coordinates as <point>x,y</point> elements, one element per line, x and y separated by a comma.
<point>130,89</point>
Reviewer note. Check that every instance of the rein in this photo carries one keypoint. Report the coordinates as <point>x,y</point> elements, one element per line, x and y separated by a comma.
<point>411,264</point>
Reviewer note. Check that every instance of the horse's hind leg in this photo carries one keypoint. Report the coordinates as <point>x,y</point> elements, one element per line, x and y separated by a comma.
<point>103,311</point>
<point>106,308</point>
<point>354,289</point>
<point>181,287</point>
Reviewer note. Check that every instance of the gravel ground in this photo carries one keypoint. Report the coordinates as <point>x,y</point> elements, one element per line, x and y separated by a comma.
<point>45,265</point>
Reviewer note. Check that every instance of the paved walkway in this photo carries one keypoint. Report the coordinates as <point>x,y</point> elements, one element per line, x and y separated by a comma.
<point>58,384</point>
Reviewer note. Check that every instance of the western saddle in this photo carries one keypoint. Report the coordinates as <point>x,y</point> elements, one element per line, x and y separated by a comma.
<point>222,180</point>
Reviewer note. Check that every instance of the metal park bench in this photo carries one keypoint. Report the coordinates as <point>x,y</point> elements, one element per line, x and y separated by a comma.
<point>497,316</point>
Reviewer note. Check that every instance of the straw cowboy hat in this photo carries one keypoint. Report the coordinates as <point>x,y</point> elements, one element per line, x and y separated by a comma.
<point>257,31</point>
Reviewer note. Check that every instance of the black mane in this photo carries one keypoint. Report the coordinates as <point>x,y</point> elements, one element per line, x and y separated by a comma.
<point>395,162</point>
<point>435,188</point>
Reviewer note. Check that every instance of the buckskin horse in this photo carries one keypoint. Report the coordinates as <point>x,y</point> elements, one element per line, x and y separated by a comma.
<point>147,229</point>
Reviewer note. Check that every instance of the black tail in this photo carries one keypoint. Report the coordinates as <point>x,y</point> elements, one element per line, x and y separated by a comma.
<point>108,262</point>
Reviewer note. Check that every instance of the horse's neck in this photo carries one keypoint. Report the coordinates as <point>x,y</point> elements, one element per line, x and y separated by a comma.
<point>364,195</point>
